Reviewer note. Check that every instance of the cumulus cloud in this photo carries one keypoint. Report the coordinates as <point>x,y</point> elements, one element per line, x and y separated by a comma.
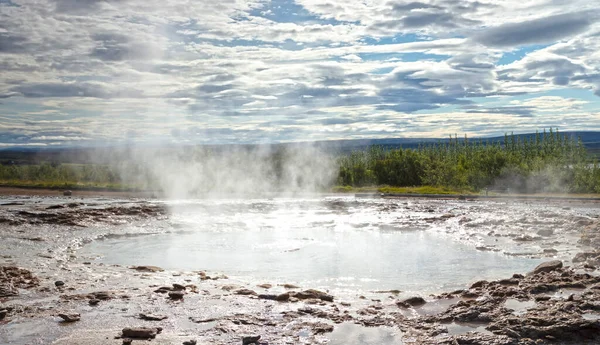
<point>540,30</point>
<point>243,71</point>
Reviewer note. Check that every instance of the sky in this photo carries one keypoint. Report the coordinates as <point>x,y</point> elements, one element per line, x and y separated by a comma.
<point>88,72</point>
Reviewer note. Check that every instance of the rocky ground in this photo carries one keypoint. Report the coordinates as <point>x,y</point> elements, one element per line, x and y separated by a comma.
<point>49,295</point>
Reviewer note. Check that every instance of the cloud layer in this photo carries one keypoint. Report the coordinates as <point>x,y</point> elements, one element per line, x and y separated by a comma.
<point>76,72</point>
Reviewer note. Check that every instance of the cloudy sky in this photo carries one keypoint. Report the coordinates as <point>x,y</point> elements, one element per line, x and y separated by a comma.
<point>233,71</point>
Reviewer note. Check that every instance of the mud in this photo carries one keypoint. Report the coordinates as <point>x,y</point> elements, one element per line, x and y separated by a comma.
<point>556,303</point>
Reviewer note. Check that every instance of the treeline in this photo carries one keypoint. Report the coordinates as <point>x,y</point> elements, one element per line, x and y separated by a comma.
<point>546,162</point>
<point>59,175</point>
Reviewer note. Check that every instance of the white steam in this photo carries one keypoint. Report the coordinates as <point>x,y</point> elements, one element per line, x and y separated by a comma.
<point>235,171</point>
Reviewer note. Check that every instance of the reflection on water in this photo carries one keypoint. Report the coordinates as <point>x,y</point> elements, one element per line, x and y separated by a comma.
<point>334,245</point>
<point>352,334</point>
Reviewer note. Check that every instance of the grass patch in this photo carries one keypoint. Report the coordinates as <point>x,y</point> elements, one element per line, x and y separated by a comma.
<point>401,190</point>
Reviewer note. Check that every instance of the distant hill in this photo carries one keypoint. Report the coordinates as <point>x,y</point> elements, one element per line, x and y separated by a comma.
<point>102,155</point>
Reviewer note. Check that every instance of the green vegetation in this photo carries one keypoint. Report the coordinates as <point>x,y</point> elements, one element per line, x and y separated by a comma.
<point>61,176</point>
<point>545,163</point>
<point>548,162</point>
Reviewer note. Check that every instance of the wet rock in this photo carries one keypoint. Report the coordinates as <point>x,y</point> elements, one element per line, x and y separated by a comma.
<point>94,302</point>
<point>245,292</point>
<point>163,289</point>
<point>102,295</point>
<point>152,317</point>
<point>3,313</point>
<point>70,317</point>
<point>268,297</point>
<point>178,287</point>
<point>59,283</point>
<point>250,340</point>
<point>8,290</point>
<point>290,286</point>
<point>545,232</point>
<point>141,332</point>
<point>190,342</point>
<point>176,295</point>
<point>411,302</point>
<point>313,294</point>
<point>548,266</point>
<point>283,297</point>
<point>127,341</point>
<point>147,268</point>
<point>12,277</point>
<point>479,284</point>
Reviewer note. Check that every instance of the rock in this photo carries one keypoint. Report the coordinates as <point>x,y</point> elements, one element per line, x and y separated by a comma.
<point>67,193</point>
<point>479,284</point>
<point>163,289</point>
<point>178,287</point>
<point>412,302</point>
<point>290,286</point>
<point>250,340</point>
<point>548,266</point>
<point>94,302</point>
<point>244,292</point>
<point>190,342</point>
<point>3,313</point>
<point>265,286</point>
<point>147,268</point>
<point>268,297</point>
<point>127,341</point>
<point>59,283</point>
<point>152,317</point>
<point>70,317</point>
<point>313,294</point>
<point>8,290</point>
<point>176,294</point>
<point>140,332</point>
<point>103,295</point>
<point>283,297</point>
<point>545,232</point>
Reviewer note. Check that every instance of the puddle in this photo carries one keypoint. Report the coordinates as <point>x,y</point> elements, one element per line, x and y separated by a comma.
<point>591,316</point>
<point>462,328</point>
<point>352,334</point>
<point>519,307</point>
<point>430,308</point>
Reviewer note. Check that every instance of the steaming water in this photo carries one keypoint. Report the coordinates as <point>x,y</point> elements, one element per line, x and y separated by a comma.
<point>337,244</point>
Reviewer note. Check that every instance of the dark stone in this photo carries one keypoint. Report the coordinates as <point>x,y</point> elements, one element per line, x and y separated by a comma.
<point>71,317</point>
<point>244,292</point>
<point>94,301</point>
<point>548,266</point>
<point>67,193</point>
<point>176,294</point>
<point>412,302</point>
<point>140,332</point>
<point>178,287</point>
<point>313,294</point>
<point>3,313</point>
<point>152,317</point>
<point>284,297</point>
<point>190,342</point>
<point>479,284</point>
<point>250,340</point>
<point>268,297</point>
<point>147,268</point>
<point>59,283</point>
